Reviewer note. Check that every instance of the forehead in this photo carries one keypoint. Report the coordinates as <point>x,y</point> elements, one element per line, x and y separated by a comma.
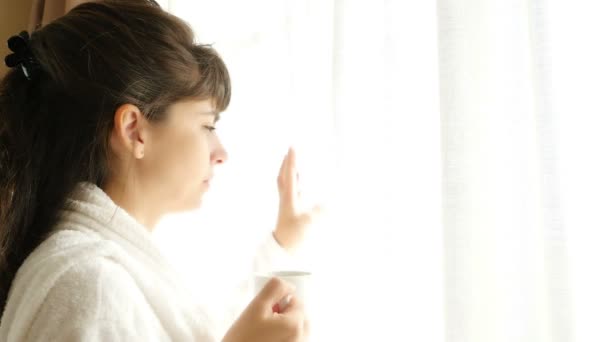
<point>202,106</point>
<point>193,108</point>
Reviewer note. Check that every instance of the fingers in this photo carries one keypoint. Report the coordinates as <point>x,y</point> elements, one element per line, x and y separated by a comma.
<point>294,319</point>
<point>281,176</point>
<point>274,291</point>
<point>291,176</point>
<point>288,178</point>
<point>306,330</point>
<point>294,305</point>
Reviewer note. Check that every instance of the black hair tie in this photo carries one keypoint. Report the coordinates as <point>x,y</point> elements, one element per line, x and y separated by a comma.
<point>22,54</point>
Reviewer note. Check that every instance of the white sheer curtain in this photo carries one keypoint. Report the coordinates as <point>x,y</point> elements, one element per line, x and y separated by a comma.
<point>506,271</point>
<point>355,86</point>
<point>525,165</point>
<point>485,114</point>
<point>580,69</point>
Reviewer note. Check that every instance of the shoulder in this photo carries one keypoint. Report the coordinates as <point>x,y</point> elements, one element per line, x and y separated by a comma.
<point>91,279</point>
<point>74,266</point>
<point>59,253</point>
<point>97,287</point>
<point>72,284</point>
<point>92,299</point>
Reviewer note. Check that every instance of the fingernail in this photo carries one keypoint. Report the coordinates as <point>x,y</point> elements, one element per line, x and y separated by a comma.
<point>279,307</point>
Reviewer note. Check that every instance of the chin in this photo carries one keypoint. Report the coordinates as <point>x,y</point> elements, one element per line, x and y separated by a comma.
<point>192,203</point>
<point>197,201</point>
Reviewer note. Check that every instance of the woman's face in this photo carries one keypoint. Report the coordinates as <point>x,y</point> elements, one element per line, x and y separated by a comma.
<point>181,155</point>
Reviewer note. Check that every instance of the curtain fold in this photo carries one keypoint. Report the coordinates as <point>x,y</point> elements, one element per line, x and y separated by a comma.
<point>506,269</point>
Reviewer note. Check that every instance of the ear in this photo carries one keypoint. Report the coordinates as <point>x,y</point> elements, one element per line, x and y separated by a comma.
<point>129,133</point>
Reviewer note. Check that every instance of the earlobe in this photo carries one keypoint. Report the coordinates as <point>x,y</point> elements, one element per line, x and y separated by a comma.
<point>128,125</point>
<point>140,152</point>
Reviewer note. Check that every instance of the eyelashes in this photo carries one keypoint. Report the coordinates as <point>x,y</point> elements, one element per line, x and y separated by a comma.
<point>209,128</point>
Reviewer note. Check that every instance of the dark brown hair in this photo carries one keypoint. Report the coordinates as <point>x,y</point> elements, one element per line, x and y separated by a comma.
<point>54,128</point>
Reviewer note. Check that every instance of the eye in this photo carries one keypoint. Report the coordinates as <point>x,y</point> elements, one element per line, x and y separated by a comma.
<point>209,128</point>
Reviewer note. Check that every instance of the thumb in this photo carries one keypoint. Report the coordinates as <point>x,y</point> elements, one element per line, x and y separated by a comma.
<point>313,214</point>
<point>274,291</point>
<point>318,210</point>
<point>294,305</point>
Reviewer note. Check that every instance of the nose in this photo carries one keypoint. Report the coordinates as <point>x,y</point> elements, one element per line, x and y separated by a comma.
<point>219,155</point>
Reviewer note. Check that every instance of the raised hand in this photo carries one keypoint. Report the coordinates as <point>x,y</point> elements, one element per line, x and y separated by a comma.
<point>294,220</point>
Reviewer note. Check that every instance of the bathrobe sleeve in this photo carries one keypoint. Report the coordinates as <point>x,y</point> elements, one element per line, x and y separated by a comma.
<point>271,257</point>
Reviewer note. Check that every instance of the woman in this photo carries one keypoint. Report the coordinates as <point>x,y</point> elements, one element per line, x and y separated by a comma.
<point>107,123</point>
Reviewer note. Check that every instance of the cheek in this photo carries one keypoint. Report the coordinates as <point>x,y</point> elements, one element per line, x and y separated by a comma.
<point>195,155</point>
<point>185,159</point>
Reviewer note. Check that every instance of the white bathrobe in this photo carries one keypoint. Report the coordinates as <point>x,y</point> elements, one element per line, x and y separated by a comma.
<point>100,277</point>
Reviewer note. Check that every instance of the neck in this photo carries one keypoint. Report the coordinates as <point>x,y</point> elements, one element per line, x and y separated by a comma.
<point>133,200</point>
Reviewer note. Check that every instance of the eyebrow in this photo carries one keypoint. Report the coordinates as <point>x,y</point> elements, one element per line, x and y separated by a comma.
<point>214,113</point>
